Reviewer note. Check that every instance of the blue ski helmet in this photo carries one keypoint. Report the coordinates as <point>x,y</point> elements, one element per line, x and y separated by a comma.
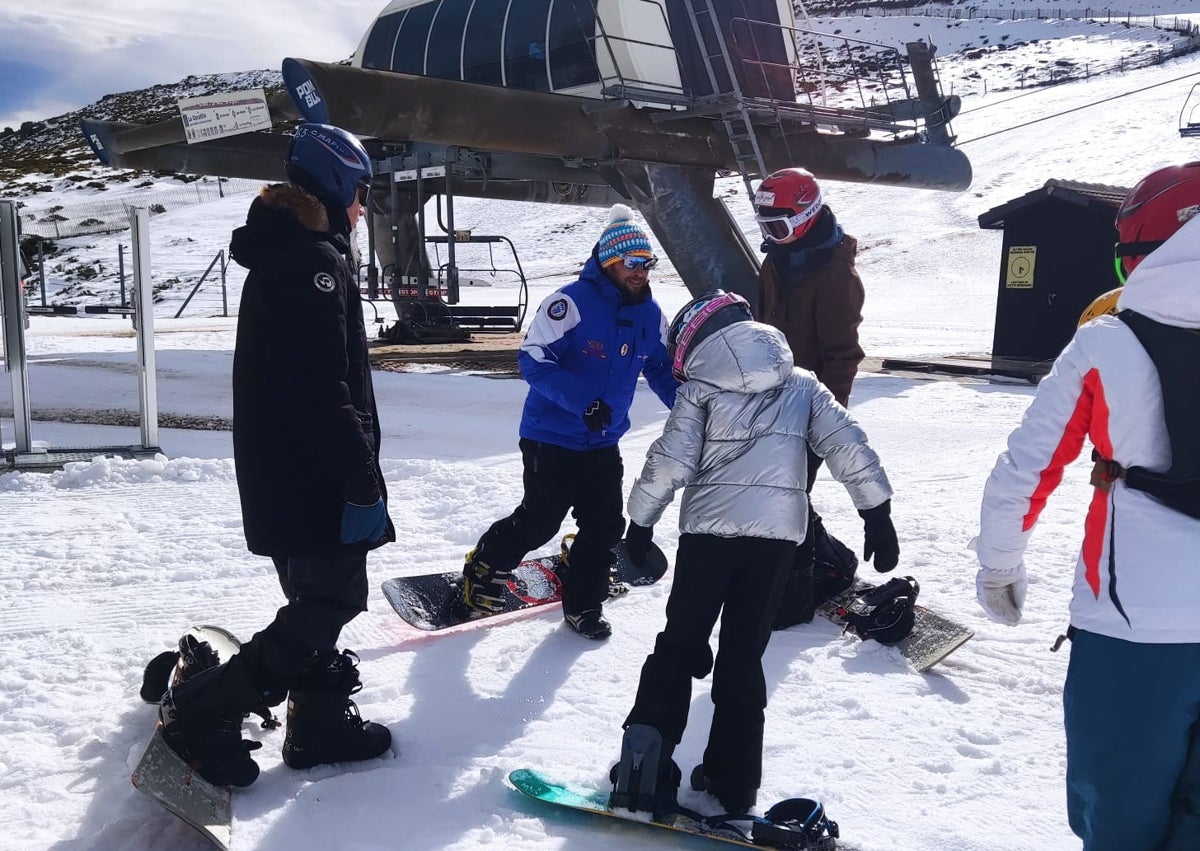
<point>331,162</point>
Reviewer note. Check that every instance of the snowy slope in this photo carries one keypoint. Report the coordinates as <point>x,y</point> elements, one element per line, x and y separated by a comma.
<point>107,562</point>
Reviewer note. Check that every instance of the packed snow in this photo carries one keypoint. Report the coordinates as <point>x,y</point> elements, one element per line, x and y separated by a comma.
<point>108,561</point>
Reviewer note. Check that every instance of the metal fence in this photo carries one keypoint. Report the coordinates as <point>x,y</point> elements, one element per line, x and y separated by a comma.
<point>1171,23</point>
<point>112,215</point>
<point>1054,75</point>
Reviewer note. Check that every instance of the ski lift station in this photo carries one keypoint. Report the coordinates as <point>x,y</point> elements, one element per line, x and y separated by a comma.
<point>582,102</point>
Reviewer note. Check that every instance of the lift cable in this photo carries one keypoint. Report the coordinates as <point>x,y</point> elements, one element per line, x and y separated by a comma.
<point>1075,109</point>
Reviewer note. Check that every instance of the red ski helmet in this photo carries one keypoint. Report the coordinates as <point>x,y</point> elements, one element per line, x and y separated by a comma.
<point>1153,210</point>
<point>699,319</point>
<point>786,204</point>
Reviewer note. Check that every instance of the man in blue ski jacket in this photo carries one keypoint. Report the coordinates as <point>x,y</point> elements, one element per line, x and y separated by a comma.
<point>582,357</point>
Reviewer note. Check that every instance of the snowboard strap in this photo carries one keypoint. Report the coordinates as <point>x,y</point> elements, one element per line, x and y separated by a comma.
<point>885,612</point>
<point>797,823</point>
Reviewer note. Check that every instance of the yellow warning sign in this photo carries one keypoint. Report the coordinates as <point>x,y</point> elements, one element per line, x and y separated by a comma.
<point>1021,260</point>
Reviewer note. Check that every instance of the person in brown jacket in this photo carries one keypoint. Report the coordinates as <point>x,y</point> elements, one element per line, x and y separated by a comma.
<point>809,289</point>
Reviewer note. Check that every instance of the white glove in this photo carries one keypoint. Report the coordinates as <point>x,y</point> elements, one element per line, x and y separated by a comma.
<point>1002,593</point>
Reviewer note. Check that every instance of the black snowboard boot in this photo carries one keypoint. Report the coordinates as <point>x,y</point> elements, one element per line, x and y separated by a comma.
<point>483,585</point>
<point>590,624</point>
<point>202,723</point>
<point>646,778</point>
<point>323,724</point>
<point>734,800</point>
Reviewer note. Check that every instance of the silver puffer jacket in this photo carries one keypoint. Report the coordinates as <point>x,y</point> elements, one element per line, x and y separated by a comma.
<point>736,438</point>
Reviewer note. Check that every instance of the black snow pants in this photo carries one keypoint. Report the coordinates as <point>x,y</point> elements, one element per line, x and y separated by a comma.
<point>558,480</point>
<point>741,580</point>
<point>324,593</point>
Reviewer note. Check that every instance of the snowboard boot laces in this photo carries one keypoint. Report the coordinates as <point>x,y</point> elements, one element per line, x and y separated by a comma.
<point>328,728</point>
<point>590,624</point>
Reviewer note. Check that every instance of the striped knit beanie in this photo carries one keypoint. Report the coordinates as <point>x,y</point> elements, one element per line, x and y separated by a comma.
<point>622,237</point>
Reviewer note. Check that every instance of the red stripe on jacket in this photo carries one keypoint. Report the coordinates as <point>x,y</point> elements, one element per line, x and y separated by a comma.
<point>1075,430</point>
<point>1097,516</point>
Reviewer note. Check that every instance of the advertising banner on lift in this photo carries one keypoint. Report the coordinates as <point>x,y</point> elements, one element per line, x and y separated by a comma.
<point>216,116</point>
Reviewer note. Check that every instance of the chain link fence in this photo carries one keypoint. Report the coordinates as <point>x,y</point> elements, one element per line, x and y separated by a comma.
<point>112,215</point>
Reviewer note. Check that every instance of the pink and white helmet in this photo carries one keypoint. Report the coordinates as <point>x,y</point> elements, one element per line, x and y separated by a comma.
<point>699,319</point>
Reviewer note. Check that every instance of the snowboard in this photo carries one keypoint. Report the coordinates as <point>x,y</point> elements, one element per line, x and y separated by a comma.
<point>433,601</point>
<point>933,636</point>
<point>539,787</point>
<point>170,782</point>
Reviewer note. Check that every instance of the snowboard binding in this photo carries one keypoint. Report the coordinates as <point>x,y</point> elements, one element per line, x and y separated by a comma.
<point>797,823</point>
<point>885,613</point>
<point>646,779</point>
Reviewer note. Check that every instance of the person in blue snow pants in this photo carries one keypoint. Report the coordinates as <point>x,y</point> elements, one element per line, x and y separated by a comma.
<point>1129,725</point>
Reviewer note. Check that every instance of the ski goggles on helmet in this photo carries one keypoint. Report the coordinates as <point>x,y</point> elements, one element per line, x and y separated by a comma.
<point>363,191</point>
<point>631,262</point>
<point>777,223</point>
<point>1131,249</point>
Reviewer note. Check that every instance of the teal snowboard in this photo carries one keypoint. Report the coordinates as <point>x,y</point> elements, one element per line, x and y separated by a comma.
<point>536,786</point>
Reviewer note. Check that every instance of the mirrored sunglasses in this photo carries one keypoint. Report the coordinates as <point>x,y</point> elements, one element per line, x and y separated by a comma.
<point>646,263</point>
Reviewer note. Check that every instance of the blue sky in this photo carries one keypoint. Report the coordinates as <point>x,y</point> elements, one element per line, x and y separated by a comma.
<point>55,58</point>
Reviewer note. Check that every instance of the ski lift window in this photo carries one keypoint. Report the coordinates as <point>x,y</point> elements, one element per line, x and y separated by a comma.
<point>408,56</point>
<point>378,51</point>
<point>444,57</point>
<point>481,44</point>
<point>525,45</point>
<point>572,44</point>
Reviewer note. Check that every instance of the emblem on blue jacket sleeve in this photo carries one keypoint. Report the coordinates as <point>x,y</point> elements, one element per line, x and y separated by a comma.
<point>557,309</point>
<point>324,282</point>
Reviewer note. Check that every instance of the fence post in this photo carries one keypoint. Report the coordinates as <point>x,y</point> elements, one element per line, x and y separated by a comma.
<point>121,271</point>
<point>42,269</point>
<point>224,296</point>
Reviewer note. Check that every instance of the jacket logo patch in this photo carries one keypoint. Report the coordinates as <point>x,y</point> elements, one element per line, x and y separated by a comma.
<point>595,349</point>
<point>324,282</point>
<point>557,309</point>
<point>624,349</point>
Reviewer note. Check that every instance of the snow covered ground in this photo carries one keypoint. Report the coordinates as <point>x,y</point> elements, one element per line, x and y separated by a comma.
<point>107,562</point>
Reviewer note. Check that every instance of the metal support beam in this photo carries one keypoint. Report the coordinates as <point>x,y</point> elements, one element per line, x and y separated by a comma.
<point>12,303</point>
<point>143,303</point>
<point>695,229</point>
<point>937,119</point>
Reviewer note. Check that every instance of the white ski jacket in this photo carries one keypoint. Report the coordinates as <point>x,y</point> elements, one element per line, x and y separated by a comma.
<point>736,441</point>
<point>1138,573</point>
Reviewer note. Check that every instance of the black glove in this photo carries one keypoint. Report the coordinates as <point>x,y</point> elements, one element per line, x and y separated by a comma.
<point>637,543</point>
<point>880,537</point>
<point>597,416</point>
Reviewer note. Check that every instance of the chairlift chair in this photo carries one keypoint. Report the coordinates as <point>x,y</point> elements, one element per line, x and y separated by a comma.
<point>1189,125</point>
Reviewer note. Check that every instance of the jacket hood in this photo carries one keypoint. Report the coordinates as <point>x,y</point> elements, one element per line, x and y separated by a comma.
<point>1166,285</point>
<point>745,357</point>
<point>278,217</point>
